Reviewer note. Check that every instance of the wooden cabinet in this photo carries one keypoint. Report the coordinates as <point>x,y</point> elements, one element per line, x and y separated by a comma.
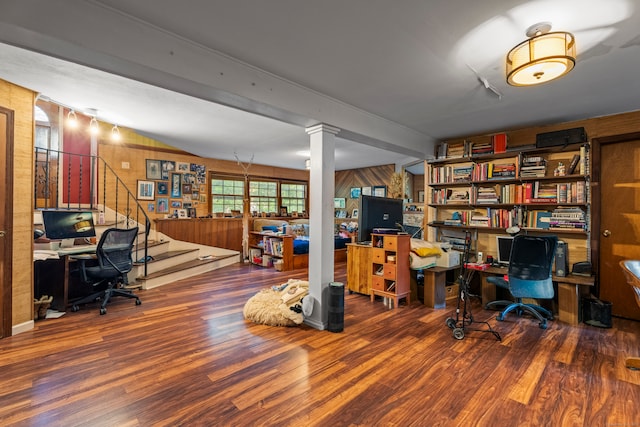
<point>390,267</point>
<point>278,247</point>
<point>359,268</point>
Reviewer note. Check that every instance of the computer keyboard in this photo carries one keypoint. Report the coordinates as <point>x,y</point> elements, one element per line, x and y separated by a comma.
<point>77,249</point>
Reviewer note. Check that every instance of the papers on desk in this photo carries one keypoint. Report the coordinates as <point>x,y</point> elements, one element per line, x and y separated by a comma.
<point>41,255</point>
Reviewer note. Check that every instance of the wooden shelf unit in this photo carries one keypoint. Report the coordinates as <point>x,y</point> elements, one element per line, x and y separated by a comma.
<point>517,195</point>
<point>390,277</point>
<point>274,245</point>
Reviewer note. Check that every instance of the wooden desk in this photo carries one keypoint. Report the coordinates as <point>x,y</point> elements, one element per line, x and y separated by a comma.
<point>570,289</point>
<point>53,277</point>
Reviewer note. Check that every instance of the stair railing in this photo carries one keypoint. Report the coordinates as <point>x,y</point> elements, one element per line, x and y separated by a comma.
<point>69,181</point>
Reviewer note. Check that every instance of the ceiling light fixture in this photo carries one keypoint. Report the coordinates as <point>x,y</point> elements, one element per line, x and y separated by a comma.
<point>115,133</point>
<point>544,57</point>
<point>94,127</point>
<point>72,119</point>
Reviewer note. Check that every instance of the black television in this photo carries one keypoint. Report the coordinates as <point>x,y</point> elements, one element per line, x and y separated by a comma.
<point>62,224</point>
<point>378,212</point>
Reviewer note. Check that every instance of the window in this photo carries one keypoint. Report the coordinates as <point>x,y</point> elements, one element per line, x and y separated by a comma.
<point>226,195</point>
<point>293,197</point>
<point>263,196</point>
<point>268,196</point>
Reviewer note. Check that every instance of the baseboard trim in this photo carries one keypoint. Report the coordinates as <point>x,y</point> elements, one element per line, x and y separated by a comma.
<point>22,327</point>
<point>315,324</point>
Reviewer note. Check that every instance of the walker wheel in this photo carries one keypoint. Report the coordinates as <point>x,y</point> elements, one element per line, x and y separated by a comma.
<point>103,311</point>
<point>458,333</point>
<point>75,308</point>
<point>138,302</point>
<point>450,323</point>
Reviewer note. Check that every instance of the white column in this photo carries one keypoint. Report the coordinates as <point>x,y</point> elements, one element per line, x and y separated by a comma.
<point>321,223</point>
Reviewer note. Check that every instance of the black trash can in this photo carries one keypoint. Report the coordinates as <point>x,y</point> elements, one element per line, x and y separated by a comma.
<point>336,307</point>
<point>596,312</point>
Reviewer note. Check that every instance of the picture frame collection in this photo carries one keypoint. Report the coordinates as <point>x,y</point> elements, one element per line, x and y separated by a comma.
<point>174,188</point>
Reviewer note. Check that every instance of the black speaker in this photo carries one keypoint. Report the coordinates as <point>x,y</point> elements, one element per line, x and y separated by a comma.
<point>562,259</point>
<point>336,307</point>
<point>561,137</point>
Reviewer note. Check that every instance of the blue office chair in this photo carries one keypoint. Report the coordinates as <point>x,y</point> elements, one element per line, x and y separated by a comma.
<point>529,276</point>
<point>108,270</point>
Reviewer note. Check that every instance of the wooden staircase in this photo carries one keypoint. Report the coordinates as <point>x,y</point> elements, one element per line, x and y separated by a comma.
<point>169,260</point>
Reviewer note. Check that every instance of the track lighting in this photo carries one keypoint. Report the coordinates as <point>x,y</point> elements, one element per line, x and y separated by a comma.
<point>72,119</point>
<point>94,127</point>
<point>115,134</point>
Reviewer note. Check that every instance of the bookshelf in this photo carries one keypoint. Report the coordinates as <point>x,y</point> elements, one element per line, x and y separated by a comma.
<point>538,189</point>
<point>272,246</point>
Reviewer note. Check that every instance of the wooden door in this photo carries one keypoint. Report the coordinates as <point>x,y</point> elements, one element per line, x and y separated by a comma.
<point>6,215</point>
<point>619,222</point>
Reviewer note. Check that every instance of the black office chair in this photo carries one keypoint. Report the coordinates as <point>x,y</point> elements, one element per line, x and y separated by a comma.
<point>112,263</point>
<point>529,276</point>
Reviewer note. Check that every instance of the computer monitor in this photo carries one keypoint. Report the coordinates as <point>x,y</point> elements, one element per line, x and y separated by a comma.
<point>68,225</point>
<point>378,212</point>
<point>503,243</point>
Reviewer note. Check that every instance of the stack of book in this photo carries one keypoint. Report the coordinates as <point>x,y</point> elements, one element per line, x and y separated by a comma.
<point>455,150</point>
<point>502,170</point>
<point>533,167</point>
<point>478,220</point>
<point>479,148</point>
<point>484,195</point>
<point>462,173</point>
<point>458,196</point>
<point>567,218</point>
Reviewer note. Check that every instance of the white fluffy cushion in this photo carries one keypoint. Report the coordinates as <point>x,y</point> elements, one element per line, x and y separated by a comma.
<point>272,307</point>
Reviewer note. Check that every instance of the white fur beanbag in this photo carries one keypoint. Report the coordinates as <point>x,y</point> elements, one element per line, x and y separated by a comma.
<point>273,306</point>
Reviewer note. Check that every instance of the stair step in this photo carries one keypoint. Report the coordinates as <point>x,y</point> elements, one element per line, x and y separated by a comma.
<point>167,255</point>
<point>184,266</point>
<point>185,269</point>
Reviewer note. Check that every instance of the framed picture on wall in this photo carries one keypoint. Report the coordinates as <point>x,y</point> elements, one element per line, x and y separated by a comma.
<point>366,191</point>
<point>421,196</point>
<point>355,192</point>
<point>176,185</point>
<point>182,166</point>
<point>154,169</point>
<point>167,167</point>
<point>380,191</point>
<point>182,213</point>
<point>146,190</point>
<point>339,202</point>
<point>163,205</point>
<point>163,188</point>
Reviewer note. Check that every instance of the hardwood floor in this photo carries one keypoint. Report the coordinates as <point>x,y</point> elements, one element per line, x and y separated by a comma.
<point>186,356</point>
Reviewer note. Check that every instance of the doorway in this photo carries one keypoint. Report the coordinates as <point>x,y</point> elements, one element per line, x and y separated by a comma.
<point>616,225</point>
<point>6,219</point>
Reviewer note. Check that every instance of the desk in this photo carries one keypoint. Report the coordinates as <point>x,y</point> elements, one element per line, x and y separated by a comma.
<point>570,289</point>
<point>53,277</point>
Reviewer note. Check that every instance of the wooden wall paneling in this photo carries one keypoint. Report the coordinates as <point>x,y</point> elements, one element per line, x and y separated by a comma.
<point>363,177</point>
<point>22,102</point>
<point>219,232</point>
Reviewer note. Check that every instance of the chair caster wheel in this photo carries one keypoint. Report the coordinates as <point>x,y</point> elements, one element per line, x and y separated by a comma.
<point>103,311</point>
<point>74,308</point>
<point>458,333</point>
<point>543,325</point>
<point>138,302</point>
<point>450,323</point>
